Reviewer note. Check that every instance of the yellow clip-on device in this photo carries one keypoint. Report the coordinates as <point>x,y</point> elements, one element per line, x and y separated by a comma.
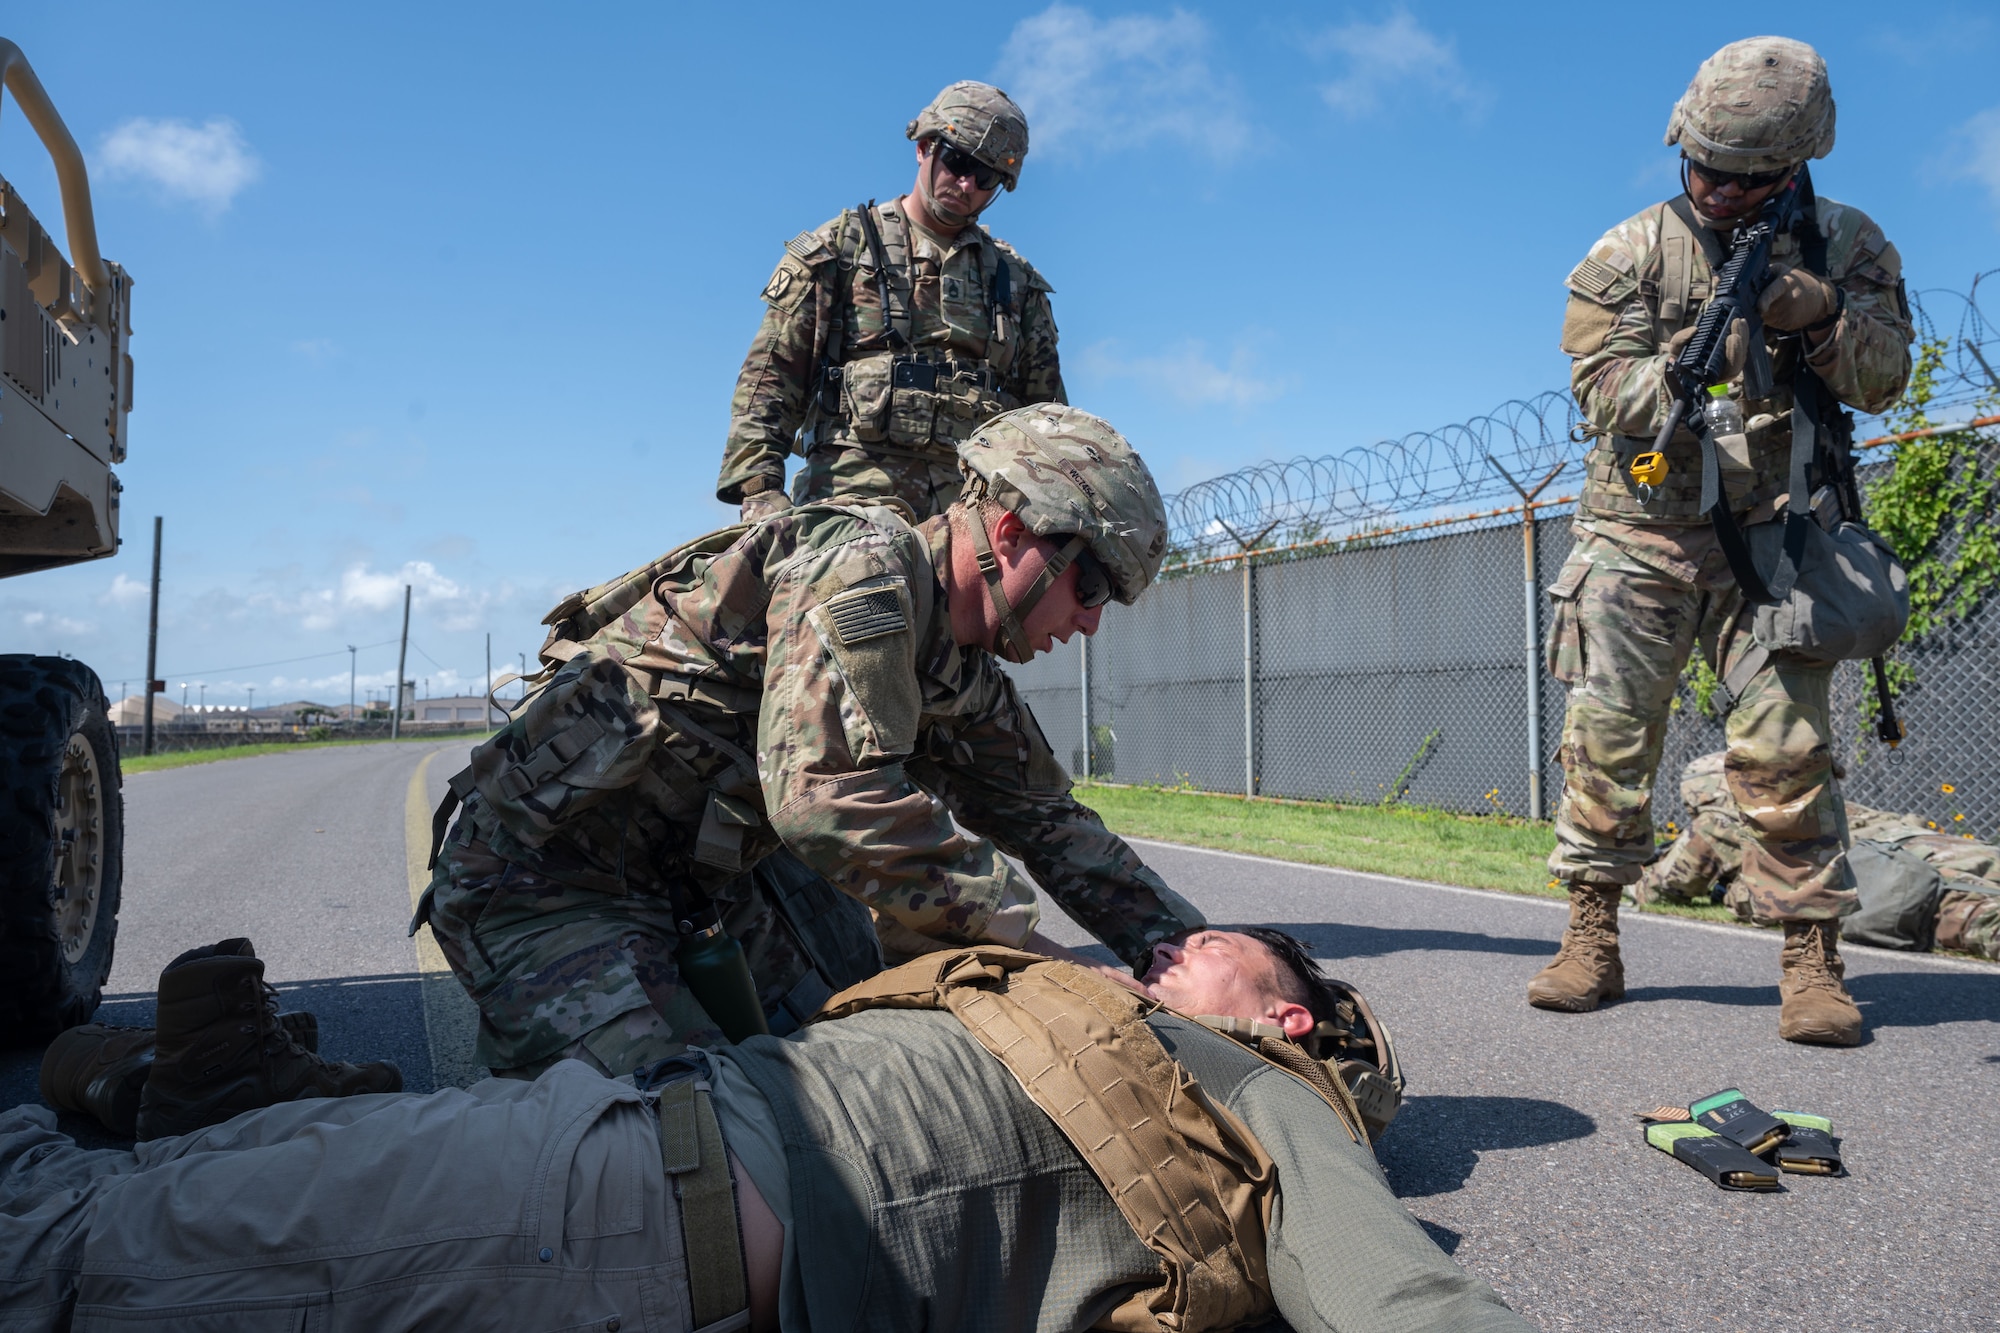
<point>1649,470</point>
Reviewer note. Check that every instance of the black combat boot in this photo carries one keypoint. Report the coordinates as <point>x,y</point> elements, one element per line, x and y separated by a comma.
<point>100,1069</point>
<point>222,1049</point>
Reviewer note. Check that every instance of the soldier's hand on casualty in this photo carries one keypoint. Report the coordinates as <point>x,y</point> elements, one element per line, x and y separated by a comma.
<point>1735,348</point>
<point>1796,299</point>
<point>764,504</point>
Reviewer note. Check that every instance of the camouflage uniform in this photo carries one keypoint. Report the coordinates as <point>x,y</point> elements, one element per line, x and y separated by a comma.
<point>1709,854</point>
<point>969,324</point>
<point>794,683</point>
<point>1647,582</point>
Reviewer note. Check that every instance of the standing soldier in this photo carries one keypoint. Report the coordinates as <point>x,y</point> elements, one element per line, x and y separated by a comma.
<point>1648,578</point>
<point>893,331</point>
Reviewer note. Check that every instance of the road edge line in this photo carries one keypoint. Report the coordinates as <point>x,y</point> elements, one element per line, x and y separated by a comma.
<point>1624,918</point>
<point>451,1021</point>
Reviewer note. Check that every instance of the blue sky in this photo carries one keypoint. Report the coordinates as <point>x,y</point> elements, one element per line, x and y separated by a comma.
<point>456,295</point>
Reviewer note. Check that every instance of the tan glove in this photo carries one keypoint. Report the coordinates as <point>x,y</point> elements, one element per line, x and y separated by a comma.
<point>764,504</point>
<point>1735,348</point>
<point>1796,299</point>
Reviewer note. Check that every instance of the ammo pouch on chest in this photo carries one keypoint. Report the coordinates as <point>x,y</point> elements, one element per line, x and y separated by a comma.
<point>916,403</point>
<point>1189,1177</point>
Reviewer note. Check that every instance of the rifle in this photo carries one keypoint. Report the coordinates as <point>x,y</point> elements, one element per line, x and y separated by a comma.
<point>1700,364</point>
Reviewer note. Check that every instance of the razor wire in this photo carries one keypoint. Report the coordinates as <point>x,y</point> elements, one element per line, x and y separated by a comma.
<point>1429,473</point>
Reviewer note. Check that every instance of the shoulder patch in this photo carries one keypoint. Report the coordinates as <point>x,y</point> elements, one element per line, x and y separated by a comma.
<point>866,613</point>
<point>809,247</point>
<point>1605,279</point>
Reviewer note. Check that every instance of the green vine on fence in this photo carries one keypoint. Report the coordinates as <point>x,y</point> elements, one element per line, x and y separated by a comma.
<point>1935,506</point>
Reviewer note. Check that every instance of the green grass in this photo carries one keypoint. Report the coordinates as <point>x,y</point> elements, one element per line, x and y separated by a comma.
<point>153,763</point>
<point>1477,851</point>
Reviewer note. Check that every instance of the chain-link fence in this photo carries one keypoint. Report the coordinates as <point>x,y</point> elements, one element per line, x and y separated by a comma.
<point>1401,663</point>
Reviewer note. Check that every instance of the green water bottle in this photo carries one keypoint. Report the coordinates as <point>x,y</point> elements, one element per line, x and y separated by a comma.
<point>717,974</point>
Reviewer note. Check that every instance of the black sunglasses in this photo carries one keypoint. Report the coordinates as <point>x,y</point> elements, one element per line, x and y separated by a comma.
<point>1745,181</point>
<point>1093,584</point>
<point>961,163</point>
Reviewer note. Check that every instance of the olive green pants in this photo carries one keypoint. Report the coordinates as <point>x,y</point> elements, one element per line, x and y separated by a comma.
<point>1622,633</point>
<point>539,1205</point>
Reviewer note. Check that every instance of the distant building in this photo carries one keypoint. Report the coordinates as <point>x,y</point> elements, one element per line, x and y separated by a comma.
<point>463,710</point>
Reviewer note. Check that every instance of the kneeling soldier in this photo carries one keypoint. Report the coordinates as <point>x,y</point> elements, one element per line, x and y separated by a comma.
<point>826,681</point>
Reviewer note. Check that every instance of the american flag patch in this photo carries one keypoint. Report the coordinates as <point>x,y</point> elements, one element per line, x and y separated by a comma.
<point>858,617</point>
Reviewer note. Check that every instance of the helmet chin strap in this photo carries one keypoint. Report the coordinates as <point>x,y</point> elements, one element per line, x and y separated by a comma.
<point>1015,647</point>
<point>927,195</point>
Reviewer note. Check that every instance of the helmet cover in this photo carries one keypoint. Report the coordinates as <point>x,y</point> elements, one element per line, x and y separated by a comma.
<point>1067,473</point>
<point>1759,105</point>
<point>980,119</point>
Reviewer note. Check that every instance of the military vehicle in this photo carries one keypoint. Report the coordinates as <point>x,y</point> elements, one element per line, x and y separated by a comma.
<point>65,389</point>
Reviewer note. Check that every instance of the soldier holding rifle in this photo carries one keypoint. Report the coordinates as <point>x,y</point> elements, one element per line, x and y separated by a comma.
<point>1816,317</point>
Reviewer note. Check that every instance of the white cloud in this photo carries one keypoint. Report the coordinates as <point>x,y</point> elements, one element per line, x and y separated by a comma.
<point>317,350</point>
<point>43,623</point>
<point>1188,374</point>
<point>1120,81</point>
<point>1398,54</point>
<point>125,591</point>
<point>1978,155</point>
<point>205,165</point>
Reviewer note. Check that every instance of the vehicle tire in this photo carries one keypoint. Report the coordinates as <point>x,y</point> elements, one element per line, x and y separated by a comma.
<point>62,841</point>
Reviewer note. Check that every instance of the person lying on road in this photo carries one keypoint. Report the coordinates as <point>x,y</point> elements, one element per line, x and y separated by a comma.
<point>1126,1167</point>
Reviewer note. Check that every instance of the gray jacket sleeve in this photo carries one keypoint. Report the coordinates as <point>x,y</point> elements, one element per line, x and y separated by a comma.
<point>1344,1254</point>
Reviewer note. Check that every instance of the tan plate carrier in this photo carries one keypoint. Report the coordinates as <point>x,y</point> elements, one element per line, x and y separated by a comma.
<point>1188,1175</point>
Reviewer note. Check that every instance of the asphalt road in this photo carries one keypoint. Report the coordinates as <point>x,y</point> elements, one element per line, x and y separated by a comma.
<point>1518,1149</point>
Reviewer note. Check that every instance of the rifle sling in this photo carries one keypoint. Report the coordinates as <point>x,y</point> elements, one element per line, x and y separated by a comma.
<point>1806,407</point>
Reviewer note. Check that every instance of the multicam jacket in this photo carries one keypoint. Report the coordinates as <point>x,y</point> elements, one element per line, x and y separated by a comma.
<point>1646,280</point>
<point>977,312</point>
<point>796,680</point>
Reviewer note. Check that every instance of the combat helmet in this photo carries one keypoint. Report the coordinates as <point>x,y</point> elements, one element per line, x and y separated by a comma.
<point>1067,475</point>
<point>980,119</point>
<point>1759,105</point>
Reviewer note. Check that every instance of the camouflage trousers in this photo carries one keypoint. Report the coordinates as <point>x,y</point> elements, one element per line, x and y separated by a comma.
<point>1969,921</point>
<point>560,972</point>
<point>927,485</point>
<point>1623,632</point>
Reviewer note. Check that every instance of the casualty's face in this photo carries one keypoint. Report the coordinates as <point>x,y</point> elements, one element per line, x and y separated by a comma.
<point>1214,972</point>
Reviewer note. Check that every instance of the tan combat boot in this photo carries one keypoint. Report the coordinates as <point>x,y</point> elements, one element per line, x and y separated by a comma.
<point>1814,1005</point>
<point>222,1049</point>
<point>1586,969</point>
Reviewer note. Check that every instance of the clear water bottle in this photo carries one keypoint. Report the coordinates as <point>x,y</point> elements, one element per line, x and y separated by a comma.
<point>1725,414</point>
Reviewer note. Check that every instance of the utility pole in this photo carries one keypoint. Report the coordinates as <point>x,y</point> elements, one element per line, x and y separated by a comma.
<point>252,707</point>
<point>350,682</point>
<point>153,641</point>
<point>402,655</point>
<point>184,696</point>
<point>201,695</point>
<point>486,690</point>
